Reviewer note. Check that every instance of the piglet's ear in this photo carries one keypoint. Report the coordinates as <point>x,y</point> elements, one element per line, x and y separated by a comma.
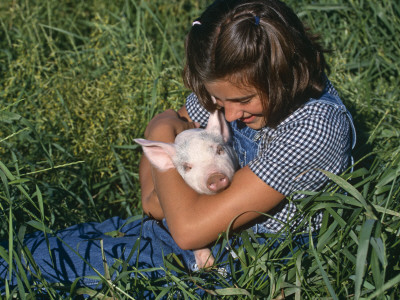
<point>158,153</point>
<point>217,124</point>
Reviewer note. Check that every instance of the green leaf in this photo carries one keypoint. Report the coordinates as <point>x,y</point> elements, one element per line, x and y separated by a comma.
<point>362,252</point>
<point>388,285</point>
<point>323,272</point>
<point>39,226</point>
<point>351,190</point>
<point>389,176</point>
<point>232,292</point>
<point>9,117</point>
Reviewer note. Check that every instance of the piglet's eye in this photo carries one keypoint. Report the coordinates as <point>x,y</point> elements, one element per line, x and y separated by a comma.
<point>220,150</point>
<point>187,167</point>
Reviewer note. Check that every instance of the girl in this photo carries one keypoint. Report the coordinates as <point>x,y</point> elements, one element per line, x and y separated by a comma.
<point>255,61</point>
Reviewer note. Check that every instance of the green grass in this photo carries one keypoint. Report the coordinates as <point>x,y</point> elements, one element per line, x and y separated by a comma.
<point>79,80</point>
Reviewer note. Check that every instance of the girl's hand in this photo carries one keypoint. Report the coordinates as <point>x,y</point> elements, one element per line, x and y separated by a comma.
<point>165,126</point>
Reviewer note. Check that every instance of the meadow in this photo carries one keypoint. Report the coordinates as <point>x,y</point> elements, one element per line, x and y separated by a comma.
<point>79,80</point>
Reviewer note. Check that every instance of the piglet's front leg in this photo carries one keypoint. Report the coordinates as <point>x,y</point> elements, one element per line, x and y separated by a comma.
<point>204,258</point>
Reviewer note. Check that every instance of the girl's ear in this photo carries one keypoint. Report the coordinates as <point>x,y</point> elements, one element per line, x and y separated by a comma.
<point>217,124</point>
<point>158,153</point>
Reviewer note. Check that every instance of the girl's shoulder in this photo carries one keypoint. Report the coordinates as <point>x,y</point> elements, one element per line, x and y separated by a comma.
<point>315,113</point>
<point>328,109</point>
<point>318,123</point>
<point>196,111</point>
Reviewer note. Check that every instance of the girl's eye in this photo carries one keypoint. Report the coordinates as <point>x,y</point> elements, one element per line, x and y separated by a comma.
<point>246,101</point>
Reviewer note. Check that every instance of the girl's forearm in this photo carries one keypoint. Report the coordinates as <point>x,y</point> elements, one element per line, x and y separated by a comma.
<point>150,204</point>
<point>179,204</point>
<point>163,127</point>
<point>196,220</point>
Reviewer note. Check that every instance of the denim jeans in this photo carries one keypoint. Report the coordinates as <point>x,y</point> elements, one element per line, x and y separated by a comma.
<point>71,247</point>
<point>76,251</point>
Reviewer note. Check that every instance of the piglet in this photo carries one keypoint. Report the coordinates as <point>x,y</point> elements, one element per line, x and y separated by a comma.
<point>204,159</point>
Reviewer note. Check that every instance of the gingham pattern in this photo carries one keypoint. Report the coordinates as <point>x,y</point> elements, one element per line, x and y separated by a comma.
<point>196,112</point>
<point>316,136</point>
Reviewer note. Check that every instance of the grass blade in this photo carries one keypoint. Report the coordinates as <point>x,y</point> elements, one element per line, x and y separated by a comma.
<point>351,190</point>
<point>362,252</point>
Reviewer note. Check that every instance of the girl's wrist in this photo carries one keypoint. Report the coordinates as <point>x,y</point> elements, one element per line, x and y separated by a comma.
<point>167,125</point>
<point>151,206</point>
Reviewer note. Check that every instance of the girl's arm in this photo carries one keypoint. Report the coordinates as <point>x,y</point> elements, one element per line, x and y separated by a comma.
<point>196,220</point>
<point>150,204</point>
<point>164,127</point>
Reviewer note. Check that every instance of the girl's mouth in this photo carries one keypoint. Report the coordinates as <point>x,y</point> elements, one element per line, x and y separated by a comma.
<point>248,119</point>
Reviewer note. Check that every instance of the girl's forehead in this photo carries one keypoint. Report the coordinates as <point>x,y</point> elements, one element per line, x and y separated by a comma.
<point>227,90</point>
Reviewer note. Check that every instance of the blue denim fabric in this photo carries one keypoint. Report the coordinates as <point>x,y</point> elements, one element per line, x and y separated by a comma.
<point>246,142</point>
<point>84,239</point>
<point>76,251</point>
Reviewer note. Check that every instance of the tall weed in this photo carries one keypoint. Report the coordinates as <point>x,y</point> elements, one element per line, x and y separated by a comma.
<point>80,79</point>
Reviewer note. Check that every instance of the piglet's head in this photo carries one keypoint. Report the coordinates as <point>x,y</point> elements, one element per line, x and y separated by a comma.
<point>202,157</point>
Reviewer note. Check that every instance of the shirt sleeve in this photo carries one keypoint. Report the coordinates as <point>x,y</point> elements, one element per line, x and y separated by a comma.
<point>298,149</point>
<point>196,111</point>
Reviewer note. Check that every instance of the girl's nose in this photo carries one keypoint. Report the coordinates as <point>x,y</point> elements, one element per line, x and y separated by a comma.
<point>232,111</point>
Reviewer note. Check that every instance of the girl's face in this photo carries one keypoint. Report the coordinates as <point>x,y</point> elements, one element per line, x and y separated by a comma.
<point>239,103</point>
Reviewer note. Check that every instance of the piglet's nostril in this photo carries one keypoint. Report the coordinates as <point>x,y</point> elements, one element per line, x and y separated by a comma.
<point>220,150</point>
<point>217,182</point>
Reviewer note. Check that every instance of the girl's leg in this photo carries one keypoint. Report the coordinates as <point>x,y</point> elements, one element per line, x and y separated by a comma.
<point>77,252</point>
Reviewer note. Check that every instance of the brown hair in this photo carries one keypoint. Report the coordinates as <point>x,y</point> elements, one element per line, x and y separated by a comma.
<point>261,43</point>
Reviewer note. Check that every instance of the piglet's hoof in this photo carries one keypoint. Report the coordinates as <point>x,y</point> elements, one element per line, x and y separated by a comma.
<point>204,258</point>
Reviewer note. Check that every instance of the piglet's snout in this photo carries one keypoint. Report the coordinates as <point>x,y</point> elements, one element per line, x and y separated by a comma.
<point>217,182</point>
